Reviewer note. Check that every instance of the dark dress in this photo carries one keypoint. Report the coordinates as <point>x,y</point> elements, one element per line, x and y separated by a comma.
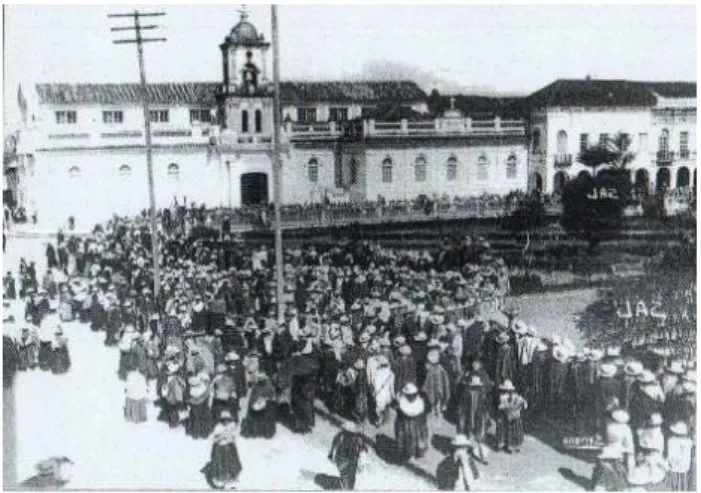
<point>225,464</point>
<point>60,358</point>
<point>199,422</point>
<point>260,423</point>
<point>411,428</point>
<point>345,453</point>
<point>609,475</point>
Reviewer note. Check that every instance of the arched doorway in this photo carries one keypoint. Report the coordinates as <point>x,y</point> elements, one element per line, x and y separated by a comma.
<point>663,179</point>
<point>254,188</point>
<point>536,182</point>
<point>642,182</point>
<point>559,181</point>
<point>683,177</point>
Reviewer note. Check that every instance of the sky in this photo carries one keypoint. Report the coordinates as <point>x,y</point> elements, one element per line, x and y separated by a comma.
<point>507,49</point>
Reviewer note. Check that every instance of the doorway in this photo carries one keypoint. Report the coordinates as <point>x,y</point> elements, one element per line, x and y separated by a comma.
<point>254,188</point>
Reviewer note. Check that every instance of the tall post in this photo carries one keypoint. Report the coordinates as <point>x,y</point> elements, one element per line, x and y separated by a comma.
<point>277,182</point>
<point>139,41</point>
<point>228,180</point>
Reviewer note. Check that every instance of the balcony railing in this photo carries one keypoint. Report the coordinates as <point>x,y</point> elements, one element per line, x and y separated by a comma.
<point>563,160</point>
<point>665,158</point>
<point>684,155</point>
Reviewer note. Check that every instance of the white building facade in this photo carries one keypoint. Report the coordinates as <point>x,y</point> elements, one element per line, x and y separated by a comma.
<point>84,147</point>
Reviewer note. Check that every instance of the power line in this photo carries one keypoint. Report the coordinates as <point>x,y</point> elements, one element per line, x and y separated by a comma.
<point>139,40</point>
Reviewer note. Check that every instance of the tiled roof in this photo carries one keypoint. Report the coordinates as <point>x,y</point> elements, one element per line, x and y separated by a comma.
<point>625,93</point>
<point>351,91</point>
<point>672,89</point>
<point>161,93</point>
<point>204,92</point>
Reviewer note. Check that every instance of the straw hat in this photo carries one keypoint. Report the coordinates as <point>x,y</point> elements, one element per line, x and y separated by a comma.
<point>461,441</point>
<point>259,404</point>
<point>420,336</point>
<point>690,376</point>
<point>646,377</point>
<point>410,389</point>
<point>476,381</point>
<point>620,416</point>
<point>405,350</point>
<point>655,419</point>
<point>508,385</point>
<point>679,428</point>
<point>633,368</point>
<point>503,338</point>
<point>675,368</point>
<point>607,370</point>
<point>399,341</point>
<point>364,337</point>
<point>596,355</point>
<point>225,416</point>
<point>350,426</point>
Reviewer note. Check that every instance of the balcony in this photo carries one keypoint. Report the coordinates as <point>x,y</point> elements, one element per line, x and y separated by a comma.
<point>684,155</point>
<point>563,160</point>
<point>665,158</point>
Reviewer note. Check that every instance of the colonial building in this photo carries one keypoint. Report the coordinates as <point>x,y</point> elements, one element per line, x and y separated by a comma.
<point>84,150</point>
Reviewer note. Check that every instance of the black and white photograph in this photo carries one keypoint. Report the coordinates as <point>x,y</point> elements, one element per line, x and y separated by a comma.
<point>349,247</point>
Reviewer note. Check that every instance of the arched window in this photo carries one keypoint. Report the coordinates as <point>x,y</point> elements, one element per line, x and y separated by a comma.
<point>74,172</point>
<point>387,170</point>
<point>244,122</point>
<point>642,182</point>
<point>559,181</point>
<point>482,168</point>
<point>353,171</point>
<point>663,179</point>
<point>259,121</point>
<point>313,170</point>
<point>451,169</point>
<point>420,169</point>
<point>562,142</point>
<point>535,140</point>
<point>664,141</point>
<point>174,171</point>
<point>125,170</point>
<point>511,166</point>
<point>683,177</point>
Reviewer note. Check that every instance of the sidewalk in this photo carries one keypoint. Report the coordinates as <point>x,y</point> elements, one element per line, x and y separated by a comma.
<point>539,467</point>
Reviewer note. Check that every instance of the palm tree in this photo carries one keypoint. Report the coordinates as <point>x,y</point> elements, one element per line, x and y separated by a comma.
<point>612,152</point>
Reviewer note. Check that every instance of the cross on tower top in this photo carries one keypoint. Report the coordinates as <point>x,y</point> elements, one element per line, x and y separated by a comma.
<point>244,12</point>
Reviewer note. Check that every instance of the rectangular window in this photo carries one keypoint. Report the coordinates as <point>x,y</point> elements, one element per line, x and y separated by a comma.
<point>420,173</point>
<point>112,116</point>
<point>684,145</point>
<point>159,116</point>
<point>583,142</point>
<point>68,116</point>
<point>386,173</point>
<point>603,138</point>
<point>338,114</point>
<point>200,116</point>
<point>306,115</point>
<point>313,173</point>
<point>642,141</point>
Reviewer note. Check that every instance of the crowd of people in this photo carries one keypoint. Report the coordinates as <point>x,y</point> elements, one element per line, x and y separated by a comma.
<point>417,337</point>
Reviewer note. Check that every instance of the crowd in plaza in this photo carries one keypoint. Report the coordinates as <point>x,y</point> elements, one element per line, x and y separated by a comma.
<point>374,334</point>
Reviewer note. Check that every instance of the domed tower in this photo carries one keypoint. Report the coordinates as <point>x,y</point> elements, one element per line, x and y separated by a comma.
<point>246,91</point>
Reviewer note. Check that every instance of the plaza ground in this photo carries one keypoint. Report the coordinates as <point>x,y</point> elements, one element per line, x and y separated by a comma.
<point>79,415</point>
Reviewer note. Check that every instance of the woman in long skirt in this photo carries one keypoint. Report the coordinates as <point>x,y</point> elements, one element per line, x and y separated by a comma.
<point>260,418</point>
<point>199,422</point>
<point>60,360</point>
<point>225,465</point>
<point>136,395</point>
<point>679,457</point>
<point>410,426</point>
<point>173,397</point>
<point>511,405</point>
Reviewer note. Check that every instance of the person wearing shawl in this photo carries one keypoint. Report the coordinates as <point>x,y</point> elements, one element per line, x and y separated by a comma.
<point>60,361</point>
<point>619,435</point>
<point>609,472</point>
<point>199,422</point>
<point>304,369</point>
<point>410,426</point>
<point>224,396</point>
<point>419,351</point>
<point>504,359</point>
<point>466,472</point>
<point>259,421</point>
<point>382,381</point>
<point>436,385</point>
<point>558,378</point>
<point>136,392</point>
<point>125,354</point>
<point>670,376</point>
<point>511,404</point>
<point>631,371</point>
<point>472,411</point>
<point>225,464</point>
<point>27,345</point>
<point>347,451</point>
<point>679,457</point>
<point>647,400</point>
<point>608,390</point>
<point>404,367</point>
<point>172,393</point>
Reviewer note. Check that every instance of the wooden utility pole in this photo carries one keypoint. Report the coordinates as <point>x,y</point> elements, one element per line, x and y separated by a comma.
<point>277,164</point>
<point>139,40</point>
